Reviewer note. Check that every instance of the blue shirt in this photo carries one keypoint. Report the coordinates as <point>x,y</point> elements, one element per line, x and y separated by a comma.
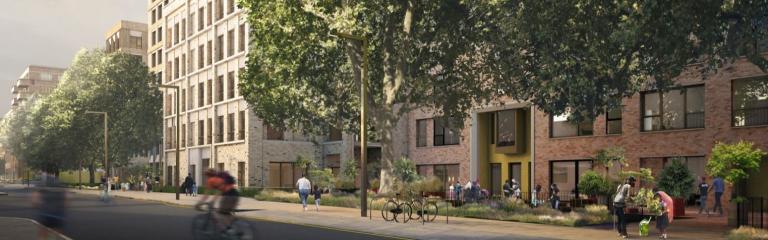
<point>718,185</point>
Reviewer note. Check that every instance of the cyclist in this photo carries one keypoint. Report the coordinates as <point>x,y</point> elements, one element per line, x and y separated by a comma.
<point>224,184</point>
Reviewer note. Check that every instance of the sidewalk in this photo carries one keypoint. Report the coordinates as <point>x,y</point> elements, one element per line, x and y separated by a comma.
<point>21,229</point>
<point>349,219</point>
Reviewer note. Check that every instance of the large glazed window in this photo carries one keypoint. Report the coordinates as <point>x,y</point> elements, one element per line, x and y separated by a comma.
<point>678,108</point>
<point>750,102</point>
<point>505,125</point>
<point>421,133</point>
<point>445,131</point>
<point>562,126</point>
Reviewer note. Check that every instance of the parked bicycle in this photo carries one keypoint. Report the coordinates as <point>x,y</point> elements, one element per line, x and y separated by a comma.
<point>205,227</point>
<point>424,208</point>
<point>395,207</point>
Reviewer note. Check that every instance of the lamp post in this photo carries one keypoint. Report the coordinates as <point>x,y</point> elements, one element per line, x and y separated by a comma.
<point>363,133</point>
<point>106,142</point>
<point>178,125</point>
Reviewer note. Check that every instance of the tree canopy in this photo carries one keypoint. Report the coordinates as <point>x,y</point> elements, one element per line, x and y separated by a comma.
<point>580,56</point>
<point>53,133</point>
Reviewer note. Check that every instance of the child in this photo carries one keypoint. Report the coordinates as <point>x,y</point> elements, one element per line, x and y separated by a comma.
<point>662,221</point>
<point>317,193</point>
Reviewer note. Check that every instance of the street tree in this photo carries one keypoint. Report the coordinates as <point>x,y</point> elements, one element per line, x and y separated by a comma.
<point>428,54</point>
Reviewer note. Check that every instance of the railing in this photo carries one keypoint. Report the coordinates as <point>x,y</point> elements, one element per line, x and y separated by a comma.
<point>752,212</point>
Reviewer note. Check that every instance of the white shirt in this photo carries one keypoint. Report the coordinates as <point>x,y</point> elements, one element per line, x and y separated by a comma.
<point>304,184</point>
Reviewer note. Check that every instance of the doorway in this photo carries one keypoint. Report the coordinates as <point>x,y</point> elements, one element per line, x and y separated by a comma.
<point>495,179</point>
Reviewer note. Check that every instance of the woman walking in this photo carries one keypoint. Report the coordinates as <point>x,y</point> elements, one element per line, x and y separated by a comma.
<point>619,203</point>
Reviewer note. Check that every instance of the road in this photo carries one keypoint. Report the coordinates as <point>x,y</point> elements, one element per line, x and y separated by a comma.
<point>89,218</point>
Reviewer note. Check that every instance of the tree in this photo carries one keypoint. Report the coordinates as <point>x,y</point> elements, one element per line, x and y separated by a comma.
<point>422,54</point>
<point>582,56</point>
<point>734,163</point>
<point>54,133</point>
<point>676,179</point>
<point>608,157</point>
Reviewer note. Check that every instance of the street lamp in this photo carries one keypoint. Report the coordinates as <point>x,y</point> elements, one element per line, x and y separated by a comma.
<point>178,125</point>
<point>106,141</point>
<point>363,133</point>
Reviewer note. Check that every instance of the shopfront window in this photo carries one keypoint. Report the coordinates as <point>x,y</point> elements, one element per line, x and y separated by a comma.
<point>566,175</point>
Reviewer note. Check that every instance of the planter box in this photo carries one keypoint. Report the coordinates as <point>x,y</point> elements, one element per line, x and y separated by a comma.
<point>679,209</point>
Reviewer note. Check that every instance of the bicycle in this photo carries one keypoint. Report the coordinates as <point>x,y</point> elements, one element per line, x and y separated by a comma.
<point>205,226</point>
<point>427,211</point>
<point>394,207</point>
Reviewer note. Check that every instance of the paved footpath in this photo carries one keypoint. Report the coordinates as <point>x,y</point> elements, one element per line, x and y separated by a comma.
<point>23,229</point>
<point>349,219</point>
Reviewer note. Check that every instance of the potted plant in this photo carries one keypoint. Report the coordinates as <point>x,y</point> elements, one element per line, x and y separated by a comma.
<point>595,186</point>
<point>677,181</point>
<point>734,163</point>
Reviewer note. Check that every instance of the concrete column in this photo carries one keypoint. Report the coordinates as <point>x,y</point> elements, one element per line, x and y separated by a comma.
<point>474,148</point>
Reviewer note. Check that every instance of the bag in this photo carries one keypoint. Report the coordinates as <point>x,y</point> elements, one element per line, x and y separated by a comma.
<point>644,227</point>
<point>228,179</point>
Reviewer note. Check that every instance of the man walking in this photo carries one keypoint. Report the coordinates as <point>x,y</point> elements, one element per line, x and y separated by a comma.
<point>304,186</point>
<point>619,203</point>
<point>703,191</point>
<point>188,184</point>
<point>719,187</point>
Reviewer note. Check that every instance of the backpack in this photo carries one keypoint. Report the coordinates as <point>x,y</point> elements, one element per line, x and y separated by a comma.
<point>228,179</point>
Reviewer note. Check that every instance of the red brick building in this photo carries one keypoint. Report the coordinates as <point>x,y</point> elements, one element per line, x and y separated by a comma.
<point>652,127</point>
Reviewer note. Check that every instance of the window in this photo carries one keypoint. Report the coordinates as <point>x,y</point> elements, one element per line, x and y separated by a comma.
<point>696,164</point>
<point>230,6</point>
<point>241,126</point>
<point>231,127</point>
<point>154,18</point>
<point>445,172</point>
<point>175,33</point>
<point>200,94</point>
<point>750,102</point>
<point>241,39</point>
<point>154,59</point>
<point>421,133</point>
<point>201,132</point>
<point>220,88</point>
<point>240,173</point>
<point>135,41</point>
<point>183,135</point>
<point>209,86</point>
<point>160,34</point>
<point>231,85</point>
<point>191,98</point>
<point>183,64</point>
<point>613,121</point>
<point>220,129</point>
<point>231,43</point>
<point>334,134</point>
<point>191,63</point>
<point>566,175</point>
<point>183,28</point>
<point>219,48</point>
<point>209,52</point>
<point>200,57</point>
<point>210,13</point>
<point>200,17</point>
<point>561,126</point>
<point>159,56</point>
<point>191,23</point>
<point>219,9</point>
<point>674,109</point>
<point>176,68</point>
<point>505,128</point>
<point>283,174</point>
<point>183,100</point>
<point>445,132</point>
<point>209,133</point>
<point>273,133</point>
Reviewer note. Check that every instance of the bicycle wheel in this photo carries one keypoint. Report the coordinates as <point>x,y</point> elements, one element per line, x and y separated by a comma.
<point>242,230</point>
<point>430,212</point>
<point>407,210</point>
<point>203,227</point>
<point>416,208</point>
<point>389,211</point>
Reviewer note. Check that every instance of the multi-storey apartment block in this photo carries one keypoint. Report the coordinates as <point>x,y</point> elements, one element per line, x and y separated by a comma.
<point>128,37</point>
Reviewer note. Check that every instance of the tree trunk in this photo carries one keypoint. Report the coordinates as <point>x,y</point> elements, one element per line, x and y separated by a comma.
<point>91,173</point>
<point>386,177</point>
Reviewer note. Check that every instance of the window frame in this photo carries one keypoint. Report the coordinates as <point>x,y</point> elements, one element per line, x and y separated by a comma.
<point>608,120</point>
<point>421,139</point>
<point>733,102</point>
<point>579,129</point>
<point>447,127</point>
<point>662,111</point>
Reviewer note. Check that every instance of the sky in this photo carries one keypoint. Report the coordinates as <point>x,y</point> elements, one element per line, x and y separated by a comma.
<point>50,32</point>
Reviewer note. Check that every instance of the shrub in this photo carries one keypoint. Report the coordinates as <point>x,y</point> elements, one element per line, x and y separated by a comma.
<point>594,184</point>
<point>429,185</point>
<point>323,178</point>
<point>405,170</point>
<point>748,233</point>
<point>374,184</point>
<point>733,162</point>
<point>346,183</point>
<point>676,179</point>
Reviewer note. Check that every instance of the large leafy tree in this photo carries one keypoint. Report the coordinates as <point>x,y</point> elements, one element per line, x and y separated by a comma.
<point>53,133</point>
<point>585,55</point>
<point>422,54</point>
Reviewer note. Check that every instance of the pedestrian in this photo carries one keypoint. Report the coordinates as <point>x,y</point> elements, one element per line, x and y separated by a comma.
<point>535,195</point>
<point>554,196</point>
<point>507,188</point>
<point>619,203</point>
<point>194,188</point>
<point>665,214</point>
<point>304,186</point>
<point>719,187</point>
<point>317,192</point>
<point>457,190</point>
<point>188,184</point>
<point>468,191</point>
<point>149,184</point>
<point>703,191</point>
<point>105,183</point>
<point>515,189</point>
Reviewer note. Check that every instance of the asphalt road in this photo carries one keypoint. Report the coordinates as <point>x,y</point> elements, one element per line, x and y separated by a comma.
<point>89,218</point>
